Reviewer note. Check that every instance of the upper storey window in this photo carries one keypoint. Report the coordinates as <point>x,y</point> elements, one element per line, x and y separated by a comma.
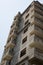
<point>24,40</point>
<point>8,40</point>
<point>23,64</point>
<point>26,22</point>
<point>26,29</point>
<point>23,52</point>
<point>27,16</point>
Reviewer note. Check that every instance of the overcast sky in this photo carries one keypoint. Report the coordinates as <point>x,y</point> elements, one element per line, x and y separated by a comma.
<point>8,9</point>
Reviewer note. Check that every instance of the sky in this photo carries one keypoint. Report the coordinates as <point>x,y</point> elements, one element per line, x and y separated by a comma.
<point>8,9</point>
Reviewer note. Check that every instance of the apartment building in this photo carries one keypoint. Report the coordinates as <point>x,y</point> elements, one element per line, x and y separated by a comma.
<point>24,45</point>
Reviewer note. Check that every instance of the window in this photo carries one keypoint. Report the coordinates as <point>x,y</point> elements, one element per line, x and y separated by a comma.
<point>13,40</point>
<point>11,31</point>
<point>23,64</point>
<point>23,52</point>
<point>25,30</point>
<point>27,15</point>
<point>26,22</point>
<point>24,40</point>
<point>8,62</point>
<point>8,40</point>
<point>15,18</point>
<point>12,25</point>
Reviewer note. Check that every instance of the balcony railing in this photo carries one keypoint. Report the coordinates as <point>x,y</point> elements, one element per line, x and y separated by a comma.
<point>35,53</point>
<point>39,6</point>
<point>38,15</point>
<point>13,34</point>
<point>35,41</point>
<point>2,63</point>
<point>37,21</point>
<point>14,27</point>
<point>36,30</point>
<point>6,62</point>
<point>17,17</point>
<point>38,10</point>
<point>10,44</point>
<point>8,55</point>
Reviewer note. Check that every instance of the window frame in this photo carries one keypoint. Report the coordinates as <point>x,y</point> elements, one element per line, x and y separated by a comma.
<point>23,52</point>
<point>24,40</point>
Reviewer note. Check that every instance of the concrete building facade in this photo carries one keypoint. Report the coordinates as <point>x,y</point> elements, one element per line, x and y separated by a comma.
<point>24,45</point>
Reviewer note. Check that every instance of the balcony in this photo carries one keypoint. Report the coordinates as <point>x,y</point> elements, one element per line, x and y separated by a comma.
<point>13,35</point>
<point>10,44</point>
<point>17,17</point>
<point>36,30</point>
<point>35,55</point>
<point>38,10</point>
<point>39,6</point>
<point>2,63</point>
<point>38,15</point>
<point>6,62</point>
<point>8,55</point>
<point>36,41</point>
<point>37,21</point>
<point>14,26</point>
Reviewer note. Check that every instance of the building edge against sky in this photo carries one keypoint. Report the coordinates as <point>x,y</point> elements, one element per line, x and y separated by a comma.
<point>25,41</point>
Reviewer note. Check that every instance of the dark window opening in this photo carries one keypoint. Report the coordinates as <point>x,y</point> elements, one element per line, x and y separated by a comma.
<point>13,40</point>
<point>11,31</point>
<point>9,62</point>
<point>26,22</point>
<point>23,52</point>
<point>23,64</point>
<point>8,40</point>
<point>15,18</point>
<point>27,16</point>
<point>26,29</point>
<point>24,40</point>
<point>12,25</point>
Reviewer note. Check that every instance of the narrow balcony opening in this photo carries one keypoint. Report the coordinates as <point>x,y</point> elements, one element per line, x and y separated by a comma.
<point>24,40</point>
<point>23,52</point>
<point>26,29</point>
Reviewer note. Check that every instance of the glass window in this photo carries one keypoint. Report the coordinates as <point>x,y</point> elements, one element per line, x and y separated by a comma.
<point>26,22</point>
<point>24,40</point>
<point>26,29</point>
<point>27,16</point>
<point>23,52</point>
